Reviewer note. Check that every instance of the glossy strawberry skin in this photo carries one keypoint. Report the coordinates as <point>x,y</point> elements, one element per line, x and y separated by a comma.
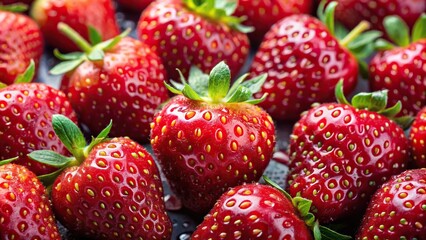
<point>304,63</point>
<point>339,157</point>
<point>26,111</point>
<point>352,12</point>
<point>398,209</point>
<point>79,14</point>
<point>251,212</point>
<point>262,14</point>
<point>206,148</point>
<point>21,41</point>
<point>115,193</point>
<point>401,70</point>
<point>126,88</point>
<point>25,208</point>
<point>194,40</point>
<point>418,139</point>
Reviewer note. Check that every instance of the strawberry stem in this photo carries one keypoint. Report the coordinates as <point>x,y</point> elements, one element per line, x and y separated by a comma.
<point>360,28</point>
<point>16,7</point>
<point>75,37</point>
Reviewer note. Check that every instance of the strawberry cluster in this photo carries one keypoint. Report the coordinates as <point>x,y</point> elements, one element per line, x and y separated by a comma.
<point>167,104</point>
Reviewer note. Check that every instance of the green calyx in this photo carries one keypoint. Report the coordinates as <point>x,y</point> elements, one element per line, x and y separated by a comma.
<point>219,10</point>
<point>376,102</point>
<point>7,161</point>
<point>73,139</point>
<point>303,206</point>
<point>25,77</point>
<point>16,7</point>
<point>359,41</point>
<point>399,32</point>
<point>93,51</point>
<point>216,87</point>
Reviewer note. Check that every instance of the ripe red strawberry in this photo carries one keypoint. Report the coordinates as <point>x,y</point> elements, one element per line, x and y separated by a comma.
<point>211,139</point>
<point>79,14</point>
<point>194,32</point>
<point>398,209</point>
<point>352,12</point>
<point>402,68</point>
<point>305,60</point>
<point>135,5</point>
<point>341,153</point>
<point>119,80</point>
<point>110,189</point>
<point>25,209</point>
<point>255,211</point>
<point>26,110</point>
<point>262,14</point>
<point>418,139</point>
<point>20,41</point>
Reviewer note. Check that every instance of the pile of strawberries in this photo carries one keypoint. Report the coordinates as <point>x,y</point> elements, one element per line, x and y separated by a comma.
<point>76,155</point>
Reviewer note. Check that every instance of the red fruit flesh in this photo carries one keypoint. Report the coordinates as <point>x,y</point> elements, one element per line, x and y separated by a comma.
<point>418,139</point>
<point>252,212</point>
<point>304,62</point>
<point>398,209</point>
<point>206,148</point>
<point>402,71</point>
<point>26,122</point>
<point>340,156</point>
<point>25,211</point>
<point>115,194</point>
<point>127,88</point>
<point>79,15</point>
<point>352,12</point>
<point>21,41</point>
<point>262,14</point>
<point>183,38</point>
<point>135,5</point>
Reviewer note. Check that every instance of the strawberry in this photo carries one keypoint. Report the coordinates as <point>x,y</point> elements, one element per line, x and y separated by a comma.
<point>254,211</point>
<point>212,137</point>
<point>340,153</point>
<point>194,32</point>
<point>120,79</point>
<point>417,139</point>
<point>305,60</point>
<point>21,41</point>
<point>110,189</point>
<point>402,68</point>
<point>25,125</point>
<point>352,12</point>
<point>262,14</point>
<point>79,14</point>
<point>135,5</point>
<point>25,208</point>
<point>398,209</point>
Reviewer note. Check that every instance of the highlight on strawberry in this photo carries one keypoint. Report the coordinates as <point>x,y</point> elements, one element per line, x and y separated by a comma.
<point>195,32</point>
<point>26,211</point>
<point>108,189</point>
<point>211,136</point>
<point>255,211</point>
<point>342,152</point>
<point>399,65</point>
<point>26,110</point>
<point>21,41</point>
<point>120,79</point>
<point>305,57</point>
<point>417,137</point>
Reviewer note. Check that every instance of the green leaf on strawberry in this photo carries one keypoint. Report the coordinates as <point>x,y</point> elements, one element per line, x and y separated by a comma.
<point>25,77</point>
<point>16,7</point>
<point>73,139</point>
<point>399,32</point>
<point>216,88</point>
<point>218,10</point>
<point>6,161</point>
<point>303,206</point>
<point>95,52</point>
